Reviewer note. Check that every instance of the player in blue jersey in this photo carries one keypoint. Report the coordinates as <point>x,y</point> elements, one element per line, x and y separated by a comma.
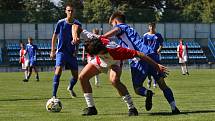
<point>139,68</point>
<point>66,50</point>
<point>31,52</point>
<point>155,41</point>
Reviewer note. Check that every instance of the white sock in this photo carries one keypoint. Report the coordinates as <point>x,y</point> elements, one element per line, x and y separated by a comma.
<point>89,99</point>
<point>173,105</point>
<point>26,74</point>
<point>182,69</point>
<point>127,99</point>
<point>97,79</point>
<point>185,69</point>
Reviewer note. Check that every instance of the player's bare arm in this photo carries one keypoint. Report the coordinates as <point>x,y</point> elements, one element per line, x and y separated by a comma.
<point>76,30</point>
<point>158,67</point>
<point>52,53</point>
<point>112,32</point>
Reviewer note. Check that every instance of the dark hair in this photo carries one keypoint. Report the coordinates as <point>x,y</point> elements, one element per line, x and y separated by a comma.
<point>94,46</point>
<point>152,24</point>
<point>30,38</point>
<point>117,15</point>
<point>69,4</point>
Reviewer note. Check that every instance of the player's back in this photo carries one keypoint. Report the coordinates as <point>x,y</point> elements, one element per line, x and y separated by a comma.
<point>130,38</point>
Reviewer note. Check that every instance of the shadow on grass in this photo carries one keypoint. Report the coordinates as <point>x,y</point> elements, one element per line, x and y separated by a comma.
<point>182,112</point>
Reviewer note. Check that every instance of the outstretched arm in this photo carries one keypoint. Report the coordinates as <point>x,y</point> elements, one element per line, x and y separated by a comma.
<point>112,32</point>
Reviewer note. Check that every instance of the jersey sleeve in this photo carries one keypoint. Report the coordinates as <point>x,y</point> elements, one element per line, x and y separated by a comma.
<point>57,28</point>
<point>119,32</point>
<point>77,22</point>
<point>160,39</point>
<point>121,53</point>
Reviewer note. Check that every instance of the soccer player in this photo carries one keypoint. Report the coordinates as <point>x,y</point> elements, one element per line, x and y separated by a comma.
<point>182,51</point>
<point>23,60</point>
<point>108,55</point>
<point>139,69</point>
<point>93,68</point>
<point>155,41</point>
<point>66,50</point>
<point>31,51</point>
<point>91,57</point>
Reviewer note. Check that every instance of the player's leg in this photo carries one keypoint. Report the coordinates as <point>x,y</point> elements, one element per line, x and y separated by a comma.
<point>85,75</point>
<point>139,71</point>
<point>97,80</point>
<point>168,95</point>
<point>115,73</point>
<point>73,65</point>
<point>56,80</point>
<point>36,71</point>
<point>58,71</point>
<point>149,81</point>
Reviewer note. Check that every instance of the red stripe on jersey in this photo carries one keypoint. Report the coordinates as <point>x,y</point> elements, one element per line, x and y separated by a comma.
<point>98,60</point>
<point>121,53</point>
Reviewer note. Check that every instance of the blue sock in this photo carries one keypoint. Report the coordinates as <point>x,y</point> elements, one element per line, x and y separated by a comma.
<point>72,83</point>
<point>141,91</point>
<point>55,84</point>
<point>169,95</point>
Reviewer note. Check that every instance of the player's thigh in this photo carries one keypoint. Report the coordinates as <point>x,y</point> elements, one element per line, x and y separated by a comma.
<point>162,84</point>
<point>58,70</point>
<point>115,73</point>
<point>60,59</point>
<point>88,72</point>
<point>139,72</point>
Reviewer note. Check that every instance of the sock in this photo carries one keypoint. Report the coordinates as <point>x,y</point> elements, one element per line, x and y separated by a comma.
<point>26,74</point>
<point>169,96</point>
<point>173,105</point>
<point>141,91</point>
<point>89,99</point>
<point>37,77</point>
<point>72,83</point>
<point>185,69</point>
<point>97,79</point>
<point>56,80</point>
<point>127,99</point>
<point>182,69</point>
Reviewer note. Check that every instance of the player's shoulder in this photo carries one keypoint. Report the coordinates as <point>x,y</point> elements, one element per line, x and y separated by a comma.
<point>77,22</point>
<point>61,21</point>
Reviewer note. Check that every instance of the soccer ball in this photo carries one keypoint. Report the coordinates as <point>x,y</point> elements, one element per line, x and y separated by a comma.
<point>53,105</point>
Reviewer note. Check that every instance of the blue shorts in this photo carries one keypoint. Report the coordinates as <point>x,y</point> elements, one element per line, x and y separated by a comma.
<point>32,62</point>
<point>141,69</point>
<point>69,60</point>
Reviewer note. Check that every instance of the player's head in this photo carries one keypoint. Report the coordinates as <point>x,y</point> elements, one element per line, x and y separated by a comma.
<point>94,46</point>
<point>117,17</point>
<point>30,40</point>
<point>152,26</point>
<point>181,41</point>
<point>95,31</point>
<point>69,10</point>
<point>22,45</point>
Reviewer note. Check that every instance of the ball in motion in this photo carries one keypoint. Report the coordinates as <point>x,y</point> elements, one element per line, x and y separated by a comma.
<point>54,105</point>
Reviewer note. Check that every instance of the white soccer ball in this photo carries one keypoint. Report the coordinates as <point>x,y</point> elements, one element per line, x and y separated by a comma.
<point>54,105</point>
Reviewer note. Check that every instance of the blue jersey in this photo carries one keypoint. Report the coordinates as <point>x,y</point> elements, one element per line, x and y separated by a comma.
<point>64,32</point>
<point>153,40</point>
<point>131,39</point>
<point>31,51</point>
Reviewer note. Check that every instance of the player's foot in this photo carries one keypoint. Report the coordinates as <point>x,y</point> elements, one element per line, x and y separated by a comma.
<point>90,111</point>
<point>132,112</point>
<point>37,78</point>
<point>72,93</point>
<point>176,111</point>
<point>183,74</point>
<point>25,80</point>
<point>148,101</point>
<point>154,85</point>
<point>188,73</point>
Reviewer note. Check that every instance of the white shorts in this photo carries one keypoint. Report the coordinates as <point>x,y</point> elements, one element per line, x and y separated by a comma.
<point>25,64</point>
<point>104,65</point>
<point>183,59</point>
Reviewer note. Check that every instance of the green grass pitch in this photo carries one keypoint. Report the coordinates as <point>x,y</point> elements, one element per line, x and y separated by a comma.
<point>21,101</point>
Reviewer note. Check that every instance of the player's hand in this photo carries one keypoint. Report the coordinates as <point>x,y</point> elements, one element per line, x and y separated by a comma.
<point>52,54</point>
<point>162,68</point>
<point>76,30</point>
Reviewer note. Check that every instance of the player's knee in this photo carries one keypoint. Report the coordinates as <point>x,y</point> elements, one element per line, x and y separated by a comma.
<point>115,82</point>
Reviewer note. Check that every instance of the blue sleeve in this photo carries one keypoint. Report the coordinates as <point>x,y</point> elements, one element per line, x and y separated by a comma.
<point>77,22</point>
<point>57,28</point>
<point>119,32</point>
<point>160,39</point>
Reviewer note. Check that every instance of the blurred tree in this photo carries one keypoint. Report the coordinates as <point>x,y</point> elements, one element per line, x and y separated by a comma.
<point>11,11</point>
<point>40,11</point>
